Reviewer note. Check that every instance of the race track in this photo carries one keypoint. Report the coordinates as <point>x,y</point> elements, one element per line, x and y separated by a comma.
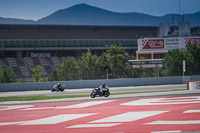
<point>88,91</point>
<point>124,115</point>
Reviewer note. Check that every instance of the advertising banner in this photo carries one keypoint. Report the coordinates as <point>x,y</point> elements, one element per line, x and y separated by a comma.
<point>172,43</point>
<point>152,44</point>
<point>189,40</point>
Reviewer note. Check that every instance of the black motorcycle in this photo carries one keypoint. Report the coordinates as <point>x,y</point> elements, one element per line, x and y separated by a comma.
<point>56,88</point>
<point>97,92</point>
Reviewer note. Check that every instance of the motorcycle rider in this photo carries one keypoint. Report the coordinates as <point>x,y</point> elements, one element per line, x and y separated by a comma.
<point>103,88</point>
<point>59,86</point>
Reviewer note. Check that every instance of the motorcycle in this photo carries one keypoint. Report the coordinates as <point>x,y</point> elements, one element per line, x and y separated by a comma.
<point>55,88</point>
<point>97,92</point>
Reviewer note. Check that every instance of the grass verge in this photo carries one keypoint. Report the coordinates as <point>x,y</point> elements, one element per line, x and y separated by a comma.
<point>43,97</point>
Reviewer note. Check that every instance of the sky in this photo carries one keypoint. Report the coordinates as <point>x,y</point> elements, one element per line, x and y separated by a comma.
<point>37,9</point>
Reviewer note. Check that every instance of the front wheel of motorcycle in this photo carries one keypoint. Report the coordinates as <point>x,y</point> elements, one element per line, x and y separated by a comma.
<point>52,90</point>
<point>92,95</point>
<point>107,93</point>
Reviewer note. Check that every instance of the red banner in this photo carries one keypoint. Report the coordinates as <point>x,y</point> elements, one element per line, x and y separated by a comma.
<point>153,44</point>
<point>192,40</point>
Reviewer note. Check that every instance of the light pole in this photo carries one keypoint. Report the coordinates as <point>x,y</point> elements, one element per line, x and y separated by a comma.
<point>183,67</point>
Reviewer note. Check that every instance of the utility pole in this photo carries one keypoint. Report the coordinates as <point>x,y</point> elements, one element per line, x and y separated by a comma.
<point>183,67</point>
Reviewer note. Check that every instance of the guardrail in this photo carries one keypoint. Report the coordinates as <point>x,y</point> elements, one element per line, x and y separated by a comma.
<point>95,83</point>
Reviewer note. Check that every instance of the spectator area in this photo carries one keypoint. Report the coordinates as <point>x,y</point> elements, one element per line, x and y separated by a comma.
<point>21,66</point>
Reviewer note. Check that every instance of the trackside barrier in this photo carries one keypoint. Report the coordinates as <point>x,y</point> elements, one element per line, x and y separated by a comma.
<point>187,83</point>
<point>194,85</point>
<point>95,83</point>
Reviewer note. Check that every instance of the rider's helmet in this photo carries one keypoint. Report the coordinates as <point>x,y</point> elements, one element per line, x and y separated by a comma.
<point>103,85</point>
<point>58,84</point>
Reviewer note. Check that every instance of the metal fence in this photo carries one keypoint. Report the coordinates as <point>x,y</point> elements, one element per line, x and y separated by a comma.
<point>95,83</point>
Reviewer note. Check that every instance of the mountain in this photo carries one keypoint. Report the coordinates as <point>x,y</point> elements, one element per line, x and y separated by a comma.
<point>15,21</point>
<point>83,14</point>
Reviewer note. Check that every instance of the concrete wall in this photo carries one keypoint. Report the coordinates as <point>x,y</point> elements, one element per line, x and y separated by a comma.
<point>96,83</point>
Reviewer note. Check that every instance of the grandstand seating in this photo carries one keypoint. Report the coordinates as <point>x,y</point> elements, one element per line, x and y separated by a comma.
<point>4,62</point>
<point>48,69</point>
<point>24,70</point>
<point>49,60</point>
<point>44,73</point>
<point>21,66</point>
<point>36,61</point>
<point>19,62</point>
<point>28,61</point>
<point>16,71</point>
<point>56,61</point>
<point>12,62</point>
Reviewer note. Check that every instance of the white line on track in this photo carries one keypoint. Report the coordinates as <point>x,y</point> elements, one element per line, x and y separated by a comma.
<point>49,120</point>
<point>10,123</point>
<point>163,101</point>
<point>86,104</point>
<point>56,119</point>
<point>174,131</point>
<point>129,116</point>
<point>38,108</point>
<point>192,111</point>
<point>174,122</point>
<point>10,107</point>
<point>93,125</point>
<point>80,105</point>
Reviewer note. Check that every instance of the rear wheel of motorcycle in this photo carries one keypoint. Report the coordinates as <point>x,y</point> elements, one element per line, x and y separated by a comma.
<point>92,95</point>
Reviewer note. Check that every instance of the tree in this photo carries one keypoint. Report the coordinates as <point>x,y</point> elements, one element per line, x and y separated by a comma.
<point>66,70</point>
<point>156,71</point>
<point>53,76</point>
<point>116,57</point>
<point>37,73</point>
<point>88,65</point>
<point>104,64</point>
<point>173,63</point>
<point>143,71</point>
<point>192,59</point>
<point>7,75</point>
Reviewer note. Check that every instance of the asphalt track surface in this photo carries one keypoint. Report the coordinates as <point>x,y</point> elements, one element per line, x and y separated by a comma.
<point>160,114</point>
<point>88,91</point>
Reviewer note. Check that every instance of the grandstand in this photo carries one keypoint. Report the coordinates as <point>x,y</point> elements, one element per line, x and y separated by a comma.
<point>25,46</point>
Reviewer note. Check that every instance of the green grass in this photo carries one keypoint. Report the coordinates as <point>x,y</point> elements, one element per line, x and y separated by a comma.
<point>43,97</point>
<point>39,97</point>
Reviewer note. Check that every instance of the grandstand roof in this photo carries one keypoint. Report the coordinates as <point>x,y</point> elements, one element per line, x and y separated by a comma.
<point>12,31</point>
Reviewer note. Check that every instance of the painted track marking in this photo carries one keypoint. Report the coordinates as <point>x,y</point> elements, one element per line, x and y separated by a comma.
<point>93,125</point>
<point>80,105</point>
<point>175,122</point>
<point>50,120</point>
<point>86,104</point>
<point>192,111</point>
<point>174,131</point>
<point>129,116</point>
<point>163,101</point>
<point>10,107</point>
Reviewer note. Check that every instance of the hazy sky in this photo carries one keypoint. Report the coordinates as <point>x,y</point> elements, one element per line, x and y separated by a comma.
<point>36,9</point>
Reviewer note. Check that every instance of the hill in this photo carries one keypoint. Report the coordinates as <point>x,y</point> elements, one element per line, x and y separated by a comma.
<point>83,14</point>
